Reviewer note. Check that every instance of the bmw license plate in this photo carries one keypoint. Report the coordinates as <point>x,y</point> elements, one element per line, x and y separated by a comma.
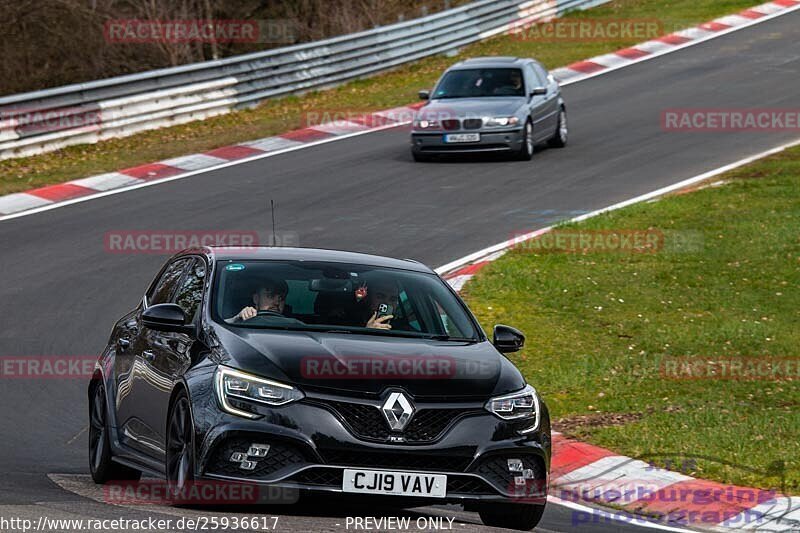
<point>395,483</point>
<point>462,137</point>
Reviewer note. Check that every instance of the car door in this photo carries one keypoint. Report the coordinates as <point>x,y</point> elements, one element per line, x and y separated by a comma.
<point>536,104</point>
<point>550,103</point>
<point>133,373</point>
<point>170,355</point>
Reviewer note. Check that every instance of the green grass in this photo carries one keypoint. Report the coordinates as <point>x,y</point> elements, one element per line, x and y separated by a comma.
<point>391,89</point>
<point>599,326</point>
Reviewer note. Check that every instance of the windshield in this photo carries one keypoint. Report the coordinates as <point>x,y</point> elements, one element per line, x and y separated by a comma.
<point>340,297</point>
<point>480,82</point>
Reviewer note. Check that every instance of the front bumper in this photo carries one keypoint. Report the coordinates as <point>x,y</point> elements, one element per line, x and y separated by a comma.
<point>490,141</point>
<point>311,445</point>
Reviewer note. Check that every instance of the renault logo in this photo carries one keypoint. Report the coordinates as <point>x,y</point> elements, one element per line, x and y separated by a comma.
<point>398,410</point>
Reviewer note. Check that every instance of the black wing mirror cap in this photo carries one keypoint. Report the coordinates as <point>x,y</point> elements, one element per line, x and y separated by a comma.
<point>424,95</point>
<point>507,339</point>
<point>166,317</point>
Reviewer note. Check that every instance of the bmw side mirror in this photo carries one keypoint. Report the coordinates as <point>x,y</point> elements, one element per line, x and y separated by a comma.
<point>166,317</point>
<point>424,95</point>
<point>539,91</point>
<point>507,339</point>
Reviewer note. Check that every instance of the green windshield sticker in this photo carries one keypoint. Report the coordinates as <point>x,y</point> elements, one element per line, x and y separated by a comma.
<point>234,267</point>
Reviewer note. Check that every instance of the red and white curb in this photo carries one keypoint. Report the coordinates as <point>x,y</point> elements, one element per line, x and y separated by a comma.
<point>669,43</point>
<point>45,198</point>
<point>582,472</point>
<point>195,163</point>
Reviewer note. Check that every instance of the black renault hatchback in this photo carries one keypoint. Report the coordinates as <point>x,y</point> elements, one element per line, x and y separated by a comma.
<point>321,370</point>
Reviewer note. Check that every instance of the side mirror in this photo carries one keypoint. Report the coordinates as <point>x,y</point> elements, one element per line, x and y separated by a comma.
<point>424,95</point>
<point>507,339</point>
<point>166,317</point>
<point>539,91</point>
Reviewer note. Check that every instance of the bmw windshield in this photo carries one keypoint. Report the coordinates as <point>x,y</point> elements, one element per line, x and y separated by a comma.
<point>338,297</point>
<point>480,82</point>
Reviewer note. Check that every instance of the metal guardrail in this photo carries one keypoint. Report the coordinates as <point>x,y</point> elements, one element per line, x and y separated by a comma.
<point>41,121</point>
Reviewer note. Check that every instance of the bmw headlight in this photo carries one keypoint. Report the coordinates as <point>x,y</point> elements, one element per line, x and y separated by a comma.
<point>236,386</point>
<point>522,405</point>
<point>494,122</point>
<point>426,124</point>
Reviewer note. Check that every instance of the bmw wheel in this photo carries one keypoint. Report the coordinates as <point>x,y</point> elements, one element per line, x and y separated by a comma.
<point>525,152</point>
<point>103,469</point>
<point>180,447</point>
<point>559,138</point>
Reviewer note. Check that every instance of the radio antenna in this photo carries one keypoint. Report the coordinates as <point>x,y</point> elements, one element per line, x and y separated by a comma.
<point>274,239</point>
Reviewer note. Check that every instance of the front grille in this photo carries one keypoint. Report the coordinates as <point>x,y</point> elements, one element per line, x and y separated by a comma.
<point>280,456</point>
<point>319,476</point>
<point>468,485</point>
<point>367,422</point>
<point>472,123</point>
<point>397,460</point>
<point>450,124</point>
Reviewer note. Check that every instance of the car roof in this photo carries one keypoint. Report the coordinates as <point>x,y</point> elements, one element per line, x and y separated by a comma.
<point>279,253</point>
<point>491,62</point>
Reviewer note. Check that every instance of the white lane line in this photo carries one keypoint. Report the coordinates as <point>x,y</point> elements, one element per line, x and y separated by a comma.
<point>467,259</point>
<point>399,112</point>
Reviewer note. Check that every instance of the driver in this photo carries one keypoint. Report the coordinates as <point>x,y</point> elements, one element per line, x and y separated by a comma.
<point>269,295</point>
<point>513,85</point>
<point>381,292</point>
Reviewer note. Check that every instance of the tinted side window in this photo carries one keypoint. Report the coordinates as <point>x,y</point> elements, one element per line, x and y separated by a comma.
<point>190,292</point>
<point>165,288</point>
<point>541,73</point>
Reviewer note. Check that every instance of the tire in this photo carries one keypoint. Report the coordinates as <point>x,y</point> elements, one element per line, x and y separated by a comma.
<point>560,137</point>
<point>179,464</point>
<point>421,158</point>
<point>525,152</point>
<point>101,465</point>
<point>522,517</point>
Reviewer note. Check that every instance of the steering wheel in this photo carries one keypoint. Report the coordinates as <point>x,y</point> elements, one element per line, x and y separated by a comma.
<point>266,312</point>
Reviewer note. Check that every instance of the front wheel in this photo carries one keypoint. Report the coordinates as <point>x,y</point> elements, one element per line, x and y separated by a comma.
<point>560,137</point>
<point>525,152</point>
<point>180,447</point>
<point>523,517</point>
<point>101,466</point>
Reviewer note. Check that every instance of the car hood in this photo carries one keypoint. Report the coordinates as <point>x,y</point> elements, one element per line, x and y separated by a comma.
<point>366,365</point>
<point>471,107</point>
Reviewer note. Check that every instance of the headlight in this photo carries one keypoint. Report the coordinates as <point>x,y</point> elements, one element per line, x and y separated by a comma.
<point>235,385</point>
<point>425,124</point>
<point>519,405</point>
<point>500,121</point>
